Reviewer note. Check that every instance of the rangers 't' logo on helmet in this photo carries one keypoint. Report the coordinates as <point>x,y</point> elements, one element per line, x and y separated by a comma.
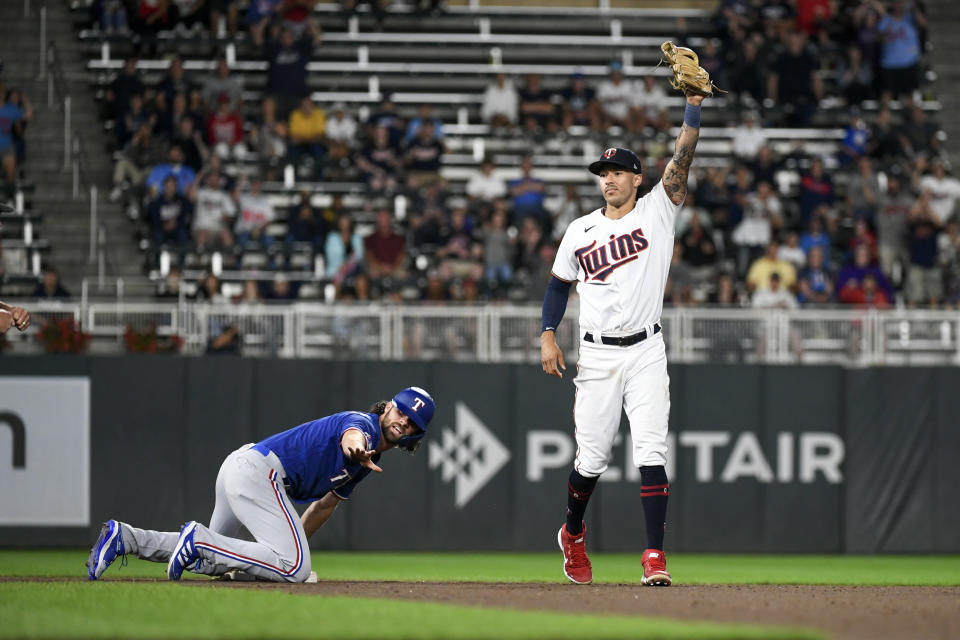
<point>609,153</point>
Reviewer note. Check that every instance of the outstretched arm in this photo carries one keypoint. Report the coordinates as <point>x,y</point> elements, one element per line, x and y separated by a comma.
<point>675,176</point>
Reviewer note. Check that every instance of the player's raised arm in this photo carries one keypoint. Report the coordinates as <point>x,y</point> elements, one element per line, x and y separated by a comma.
<point>678,169</point>
<point>694,81</point>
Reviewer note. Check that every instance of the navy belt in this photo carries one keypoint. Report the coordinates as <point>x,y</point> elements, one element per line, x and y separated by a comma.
<point>623,341</point>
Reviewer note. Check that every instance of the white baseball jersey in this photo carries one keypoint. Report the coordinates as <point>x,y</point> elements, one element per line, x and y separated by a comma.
<point>622,265</point>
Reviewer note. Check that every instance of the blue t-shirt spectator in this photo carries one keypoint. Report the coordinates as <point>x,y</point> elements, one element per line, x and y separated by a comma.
<point>184,174</point>
<point>901,46</point>
<point>811,239</point>
<point>10,114</point>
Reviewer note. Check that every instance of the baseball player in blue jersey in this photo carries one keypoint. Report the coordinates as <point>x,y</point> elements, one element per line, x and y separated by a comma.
<point>320,462</point>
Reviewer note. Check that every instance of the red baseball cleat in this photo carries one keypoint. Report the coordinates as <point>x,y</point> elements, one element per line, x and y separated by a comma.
<point>655,569</point>
<point>576,564</point>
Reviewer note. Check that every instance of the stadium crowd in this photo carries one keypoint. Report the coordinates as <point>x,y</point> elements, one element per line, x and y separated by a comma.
<point>875,224</point>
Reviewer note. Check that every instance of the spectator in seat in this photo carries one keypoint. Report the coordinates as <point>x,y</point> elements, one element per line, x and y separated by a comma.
<point>863,191</point>
<point>217,9</point>
<point>174,167</point>
<point>225,131</point>
<point>527,194</point>
<point>650,105</point>
<point>538,114</point>
<point>168,121</point>
<point>18,98</point>
<point>763,268</point>
<point>765,166</point>
<point>135,162</point>
<point>260,13</point>
<point>111,16</point>
<point>169,214</point>
<point>856,77</point>
<point>214,211</point>
<point>256,212</point>
<point>341,132</point>
<point>944,191</point>
<point>564,210</point>
<point>792,252</point>
<point>484,185</point>
<point>423,157</point>
<point>887,145</point>
<point>918,134</point>
<point>175,81</point>
<point>188,14</point>
<point>748,138</point>
<point>135,115</point>
<point>774,296</point>
<point>380,162</point>
<point>866,294</point>
<point>616,97</point>
<point>223,83</point>
<point>153,16</point>
<point>762,217</point>
<point>863,234</point>
<point>251,293</point>
<point>170,287</point>
<point>429,216</point>
<point>497,249</point>
<point>698,251</point>
<point>924,276</point>
<point>384,249</point>
<point>306,224</point>
<point>12,118</point>
<point>50,286</point>
<point>816,281</point>
<point>900,58</point>
<point>387,116</point>
<point>816,188</point>
<point>189,139</point>
<point>116,98</point>
<point>852,275</point>
<point>816,236</point>
<point>269,135</point>
<point>748,76</point>
<point>579,105</point>
<point>459,252</point>
<point>287,58</point>
<point>500,104</point>
<point>281,289</point>
<point>424,114</point>
<point>856,137</point>
<point>893,212</point>
<point>949,257</point>
<point>793,83</point>
<point>308,124</point>
<point>344,251</point>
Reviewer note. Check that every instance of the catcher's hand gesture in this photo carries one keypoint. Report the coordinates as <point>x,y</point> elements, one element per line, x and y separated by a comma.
<point>358,454</point>
<point>551,356</point>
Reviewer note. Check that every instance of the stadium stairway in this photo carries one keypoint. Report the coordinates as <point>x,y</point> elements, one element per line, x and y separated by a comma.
<point>66,221</point>
<point>944,21</point>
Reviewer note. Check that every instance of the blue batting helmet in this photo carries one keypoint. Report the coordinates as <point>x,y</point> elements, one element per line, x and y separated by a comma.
<point>416,404</point>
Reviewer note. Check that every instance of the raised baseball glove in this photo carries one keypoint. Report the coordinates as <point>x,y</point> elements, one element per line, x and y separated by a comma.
<point>688,75</point>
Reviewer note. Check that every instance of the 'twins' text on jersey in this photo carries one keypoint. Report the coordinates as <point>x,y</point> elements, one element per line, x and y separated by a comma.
<point>622,264</point>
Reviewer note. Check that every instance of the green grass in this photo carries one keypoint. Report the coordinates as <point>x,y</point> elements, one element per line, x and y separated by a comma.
<point>113,608</point>
<point>146,610</point>
<point>545,567</point>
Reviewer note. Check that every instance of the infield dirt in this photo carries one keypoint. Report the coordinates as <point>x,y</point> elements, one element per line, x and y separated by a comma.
<point>848,613</point>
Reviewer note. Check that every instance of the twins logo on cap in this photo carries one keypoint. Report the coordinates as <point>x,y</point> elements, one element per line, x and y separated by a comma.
<point>609,153</point>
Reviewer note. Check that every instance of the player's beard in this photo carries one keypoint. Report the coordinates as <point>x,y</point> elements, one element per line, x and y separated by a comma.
<point>618,199</point>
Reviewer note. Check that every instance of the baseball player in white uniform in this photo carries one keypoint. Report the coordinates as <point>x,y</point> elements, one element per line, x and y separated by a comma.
<point>620,257</point>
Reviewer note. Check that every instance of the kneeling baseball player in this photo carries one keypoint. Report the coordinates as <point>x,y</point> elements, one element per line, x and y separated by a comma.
<point>620,255</point>
<point>320,461</point>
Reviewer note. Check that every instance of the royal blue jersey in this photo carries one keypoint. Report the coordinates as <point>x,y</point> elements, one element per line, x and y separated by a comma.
<point>313,459</point>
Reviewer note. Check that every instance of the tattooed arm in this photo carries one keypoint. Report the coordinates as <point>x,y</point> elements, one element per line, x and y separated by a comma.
<point>675,176</point>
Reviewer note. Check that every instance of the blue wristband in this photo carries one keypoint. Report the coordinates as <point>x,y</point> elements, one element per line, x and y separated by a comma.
<point>691,117</point>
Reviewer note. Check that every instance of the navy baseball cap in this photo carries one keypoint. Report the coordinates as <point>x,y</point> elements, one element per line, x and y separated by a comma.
<point>616,157</point>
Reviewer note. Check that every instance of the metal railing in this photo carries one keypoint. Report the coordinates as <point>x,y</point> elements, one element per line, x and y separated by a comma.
<point>75,155</point>
<point>510,333</point>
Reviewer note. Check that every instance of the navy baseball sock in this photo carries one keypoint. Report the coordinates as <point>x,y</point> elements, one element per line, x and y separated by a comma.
<point>579,489</point>
<point>654,493</point>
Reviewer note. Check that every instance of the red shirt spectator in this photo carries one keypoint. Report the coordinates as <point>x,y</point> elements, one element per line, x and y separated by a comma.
<point>813,14</point>
<point>384,248</point>
<point>224,125</point>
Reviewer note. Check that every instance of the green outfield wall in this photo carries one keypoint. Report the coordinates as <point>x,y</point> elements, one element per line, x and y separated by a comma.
<point>763,458</point>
